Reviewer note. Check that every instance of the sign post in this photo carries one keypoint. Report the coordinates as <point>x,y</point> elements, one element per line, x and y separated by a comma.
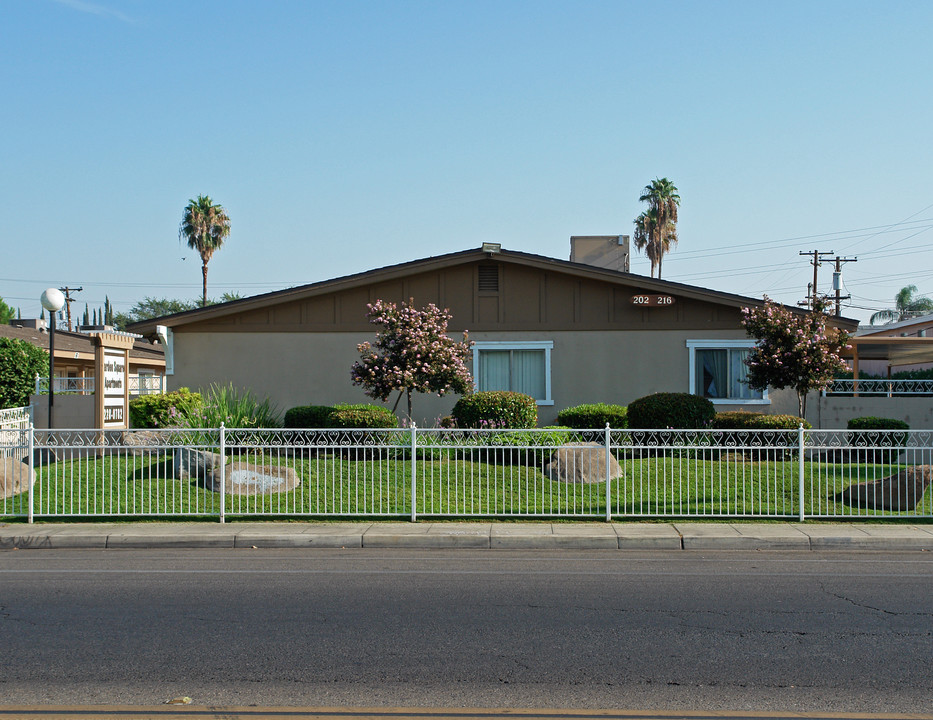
<point>111,358</point>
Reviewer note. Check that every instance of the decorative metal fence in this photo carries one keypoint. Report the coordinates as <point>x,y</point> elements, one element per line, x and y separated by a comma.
<point>440,473</point>
<point>876,387</point>
<point>137,385</point>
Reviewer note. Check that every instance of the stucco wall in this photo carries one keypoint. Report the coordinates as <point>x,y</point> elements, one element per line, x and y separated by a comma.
<point>70,411</point>
<point>835,411</point>
<point>314,368</point>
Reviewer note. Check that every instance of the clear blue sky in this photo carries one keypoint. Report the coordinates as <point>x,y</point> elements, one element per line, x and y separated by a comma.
<point>344,136</point>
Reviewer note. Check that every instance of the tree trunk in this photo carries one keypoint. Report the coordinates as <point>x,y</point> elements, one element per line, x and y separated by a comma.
<point>204,284</point>
<point>409,404</point>
<point>802,403</point>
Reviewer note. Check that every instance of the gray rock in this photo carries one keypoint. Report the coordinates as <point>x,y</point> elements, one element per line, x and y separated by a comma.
<point>582,463</point>
<point>197,464</point>
<point>250,478</point>
<point>14,477</point>
<point>140,442</point>
<point>895,492</point>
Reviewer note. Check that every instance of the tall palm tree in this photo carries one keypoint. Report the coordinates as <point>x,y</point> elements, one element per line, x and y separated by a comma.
<point>906,305</point>
<point>205,226</point>
<point>656,227</point>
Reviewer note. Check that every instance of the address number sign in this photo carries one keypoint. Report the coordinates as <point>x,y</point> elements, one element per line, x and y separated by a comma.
<point>652,300</point>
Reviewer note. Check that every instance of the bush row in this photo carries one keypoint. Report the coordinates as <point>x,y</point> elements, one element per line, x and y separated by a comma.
<point>340,416</point>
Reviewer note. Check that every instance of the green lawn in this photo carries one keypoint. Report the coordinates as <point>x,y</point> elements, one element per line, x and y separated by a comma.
<point>451,483</point>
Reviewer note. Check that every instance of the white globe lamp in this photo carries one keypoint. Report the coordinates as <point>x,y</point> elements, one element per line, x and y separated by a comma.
<point>52,300</point>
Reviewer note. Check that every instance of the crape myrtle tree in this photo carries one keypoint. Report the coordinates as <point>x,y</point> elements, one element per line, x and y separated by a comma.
<point>412,353</point>
<point>793,350</point>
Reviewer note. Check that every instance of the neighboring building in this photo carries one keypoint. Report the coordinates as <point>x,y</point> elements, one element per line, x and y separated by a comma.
<point>921,326</point>
<point>74,358</point>
<point>563,332</point>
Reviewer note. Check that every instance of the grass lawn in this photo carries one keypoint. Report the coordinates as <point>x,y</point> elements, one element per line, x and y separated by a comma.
<point>449,483</point>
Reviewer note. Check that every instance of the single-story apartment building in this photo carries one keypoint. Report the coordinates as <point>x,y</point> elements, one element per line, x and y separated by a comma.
<point>565,332</point>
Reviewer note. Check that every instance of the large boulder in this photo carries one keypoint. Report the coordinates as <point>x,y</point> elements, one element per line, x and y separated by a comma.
<point>901,491</point>
<point>250,478</point>
<point>582,463</point>
<point>14,476</point>
<point>196,464</point>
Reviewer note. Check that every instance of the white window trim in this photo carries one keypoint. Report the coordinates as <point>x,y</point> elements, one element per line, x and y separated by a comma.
<point>546,345</point>
<point>693,345</point>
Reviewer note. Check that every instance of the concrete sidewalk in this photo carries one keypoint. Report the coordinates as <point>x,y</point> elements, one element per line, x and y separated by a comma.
<point>811,535</point>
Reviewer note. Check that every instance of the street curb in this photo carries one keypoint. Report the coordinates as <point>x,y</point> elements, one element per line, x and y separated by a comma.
<point>695,537</point>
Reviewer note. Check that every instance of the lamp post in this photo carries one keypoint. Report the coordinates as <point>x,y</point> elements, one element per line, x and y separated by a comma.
<point>52,300</point>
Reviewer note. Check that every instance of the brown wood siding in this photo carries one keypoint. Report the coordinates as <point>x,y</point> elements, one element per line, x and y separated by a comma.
<point>528,299</point>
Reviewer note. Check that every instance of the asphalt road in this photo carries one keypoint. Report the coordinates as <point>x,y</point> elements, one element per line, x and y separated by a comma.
<point>768,631</point>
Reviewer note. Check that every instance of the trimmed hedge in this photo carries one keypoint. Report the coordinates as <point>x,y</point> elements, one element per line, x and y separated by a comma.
<point>595,416</point>
<point>878,423</point>
<point>163,410</point>
<point>496,409</point>
<point>670,410</point>
<point>340,416</point>
<point>363,416</point>
<point>308,416</point>
<point>889,433</point>
<point>744,420</point>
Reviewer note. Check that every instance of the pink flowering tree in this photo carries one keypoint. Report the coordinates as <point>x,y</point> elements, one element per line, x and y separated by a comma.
<point>412,353</point>
<point>794,350</point>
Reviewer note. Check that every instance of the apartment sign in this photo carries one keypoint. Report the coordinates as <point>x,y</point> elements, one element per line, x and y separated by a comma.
<point>114,389</point>
<point>114,373</point>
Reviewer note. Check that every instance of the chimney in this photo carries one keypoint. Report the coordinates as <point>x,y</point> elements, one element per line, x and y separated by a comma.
<point>605,251</point>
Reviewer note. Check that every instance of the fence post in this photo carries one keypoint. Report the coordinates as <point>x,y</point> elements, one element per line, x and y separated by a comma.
<point>608,479</point>
<point>800,464</point>
<point>32,468</point>
<point>414,469</point>
<point>223,473</point>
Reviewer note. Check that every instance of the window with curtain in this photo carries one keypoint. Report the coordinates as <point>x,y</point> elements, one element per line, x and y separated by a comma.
<point>519,367</point>
<point>719,373</point>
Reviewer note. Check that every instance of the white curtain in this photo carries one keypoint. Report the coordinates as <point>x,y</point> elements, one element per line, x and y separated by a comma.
<point>738,373</point>
<point>494,370</point>
<point>712,367</point>
<point>517,370</point>
<point>528,373</point>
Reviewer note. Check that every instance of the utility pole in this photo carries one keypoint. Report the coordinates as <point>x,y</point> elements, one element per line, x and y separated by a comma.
<point>68,301</point>
<point>837,282</point>
<point>816,262</point>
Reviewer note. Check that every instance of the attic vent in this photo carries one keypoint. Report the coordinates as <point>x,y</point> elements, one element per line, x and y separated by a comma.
<point>489,278</point>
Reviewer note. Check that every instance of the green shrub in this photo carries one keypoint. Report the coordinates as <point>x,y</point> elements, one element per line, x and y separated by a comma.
<point>888,433</point>
<point>340,416</point>
<point>165,410</point>
<point>670,410</point>
<point>309,416</point>
<point>589,417</point>
<point>233,407</point>
<point>744,420</point>
<point>362,417</point>
<point>20,362</point>
<point>496,409</point>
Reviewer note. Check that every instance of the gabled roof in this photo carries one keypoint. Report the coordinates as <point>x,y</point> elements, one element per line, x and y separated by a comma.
<point>391,272</point>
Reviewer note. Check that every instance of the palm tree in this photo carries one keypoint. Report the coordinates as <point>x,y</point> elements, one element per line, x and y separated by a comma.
<point>205,226</point>
<point>656,227</point>
<point>906,305</point>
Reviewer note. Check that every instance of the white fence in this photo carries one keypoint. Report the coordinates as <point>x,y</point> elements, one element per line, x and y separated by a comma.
<point>875,387</point>
<point>417,473</point>
<point>138,385</point>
